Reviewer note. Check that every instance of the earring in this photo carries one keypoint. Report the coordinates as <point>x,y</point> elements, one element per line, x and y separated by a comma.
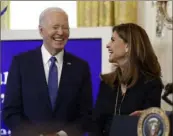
<point>126,50</point>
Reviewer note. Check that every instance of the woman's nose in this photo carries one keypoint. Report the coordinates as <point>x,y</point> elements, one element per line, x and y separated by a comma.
<point>108,45</point>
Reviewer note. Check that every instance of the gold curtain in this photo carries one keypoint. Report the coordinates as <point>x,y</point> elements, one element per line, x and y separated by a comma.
<point>5,15</point>
<point>105,13</point>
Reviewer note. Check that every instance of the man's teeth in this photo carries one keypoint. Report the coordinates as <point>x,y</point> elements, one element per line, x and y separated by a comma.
<point>58,39</point>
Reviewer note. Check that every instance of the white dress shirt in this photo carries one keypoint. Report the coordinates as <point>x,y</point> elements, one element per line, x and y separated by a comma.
<point>46,62</point>
<point>59,63</point>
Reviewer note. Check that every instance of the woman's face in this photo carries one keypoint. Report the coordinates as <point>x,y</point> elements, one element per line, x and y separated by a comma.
<point>117,48</point>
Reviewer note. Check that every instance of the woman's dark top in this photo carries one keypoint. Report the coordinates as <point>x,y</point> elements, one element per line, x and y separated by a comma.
<point>144,94</point>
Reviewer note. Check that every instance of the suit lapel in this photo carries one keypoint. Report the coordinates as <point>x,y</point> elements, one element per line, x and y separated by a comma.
<point>40,76</point>
<point>64,79</point>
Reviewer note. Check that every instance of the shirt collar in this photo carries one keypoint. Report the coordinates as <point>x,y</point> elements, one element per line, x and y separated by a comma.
<point>46,55</point>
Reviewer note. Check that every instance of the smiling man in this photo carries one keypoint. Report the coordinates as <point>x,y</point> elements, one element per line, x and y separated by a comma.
<point>54,28</point>
<point>48,90</point>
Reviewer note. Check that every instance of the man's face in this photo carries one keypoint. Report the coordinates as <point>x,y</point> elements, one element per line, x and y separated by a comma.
<point>55,30</point>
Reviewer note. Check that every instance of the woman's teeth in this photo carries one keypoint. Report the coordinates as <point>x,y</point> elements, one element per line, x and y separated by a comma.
<point>110,52</point>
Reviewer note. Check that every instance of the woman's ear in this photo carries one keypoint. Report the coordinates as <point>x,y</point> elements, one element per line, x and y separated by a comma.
<point>126,48</point>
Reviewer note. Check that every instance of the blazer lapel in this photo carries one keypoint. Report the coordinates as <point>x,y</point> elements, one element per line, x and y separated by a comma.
<point>64,79</point>
<point>40,76</point>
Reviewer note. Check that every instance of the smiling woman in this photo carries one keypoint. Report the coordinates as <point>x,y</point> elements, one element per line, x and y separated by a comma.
<point>135,85</point>
<point>24,14</point>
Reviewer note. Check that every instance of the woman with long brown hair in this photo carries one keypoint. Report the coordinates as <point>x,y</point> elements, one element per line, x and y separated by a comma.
<point>136,83</point>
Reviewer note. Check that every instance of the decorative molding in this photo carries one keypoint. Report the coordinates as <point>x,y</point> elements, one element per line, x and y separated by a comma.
<point>163,19</point>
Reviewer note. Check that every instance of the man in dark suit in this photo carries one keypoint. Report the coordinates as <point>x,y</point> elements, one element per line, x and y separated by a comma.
<point>48,90</point>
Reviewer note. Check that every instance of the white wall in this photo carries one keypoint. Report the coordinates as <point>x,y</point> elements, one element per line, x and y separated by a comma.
<point>25,14</point>
<point>163,45</point>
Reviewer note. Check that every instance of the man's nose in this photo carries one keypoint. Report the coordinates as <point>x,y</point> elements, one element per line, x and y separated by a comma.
<point>60,31</point>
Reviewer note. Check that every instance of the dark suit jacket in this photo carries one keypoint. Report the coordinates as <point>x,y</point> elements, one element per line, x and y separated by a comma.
<point>144,94</point>
<point>27,108</point>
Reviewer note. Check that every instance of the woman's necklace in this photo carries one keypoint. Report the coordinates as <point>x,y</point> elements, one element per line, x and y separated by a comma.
<point>116,104</point>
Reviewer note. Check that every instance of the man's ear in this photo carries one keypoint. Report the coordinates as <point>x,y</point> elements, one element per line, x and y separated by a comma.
<point>40,30</point>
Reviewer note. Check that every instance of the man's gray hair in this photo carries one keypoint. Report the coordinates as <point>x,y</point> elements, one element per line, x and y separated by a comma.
<point>42,15</point>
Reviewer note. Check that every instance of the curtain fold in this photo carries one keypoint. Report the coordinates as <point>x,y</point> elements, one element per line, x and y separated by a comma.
<point>105,13</point>
<point>5,15</point>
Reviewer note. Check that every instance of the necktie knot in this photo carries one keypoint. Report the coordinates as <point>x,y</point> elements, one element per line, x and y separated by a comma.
<point>52,59</point>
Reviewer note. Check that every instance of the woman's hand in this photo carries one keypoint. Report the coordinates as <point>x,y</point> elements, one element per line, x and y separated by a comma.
<point>136,113</point>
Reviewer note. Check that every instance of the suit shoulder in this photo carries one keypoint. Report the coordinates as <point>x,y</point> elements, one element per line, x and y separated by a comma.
<point>108,78</point>
<point>26,54</point>
<point>76,59</point>
<point>152,80</point>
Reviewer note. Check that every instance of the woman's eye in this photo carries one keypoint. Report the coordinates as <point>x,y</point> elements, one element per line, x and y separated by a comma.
<point>112,39</point>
